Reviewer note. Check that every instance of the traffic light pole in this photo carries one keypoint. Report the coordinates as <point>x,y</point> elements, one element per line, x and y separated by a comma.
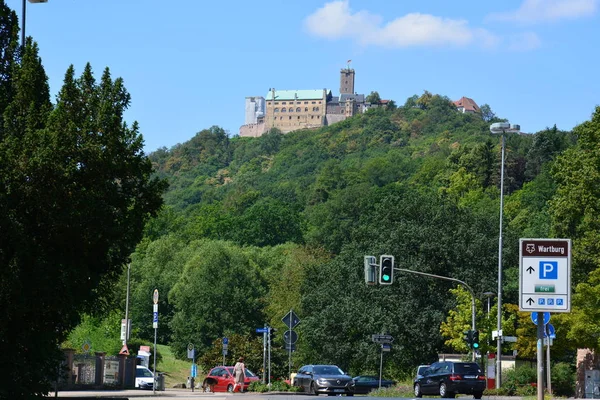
<point>453,280</point>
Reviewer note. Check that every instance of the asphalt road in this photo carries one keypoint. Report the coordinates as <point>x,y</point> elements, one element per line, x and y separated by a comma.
<point>187,394</point>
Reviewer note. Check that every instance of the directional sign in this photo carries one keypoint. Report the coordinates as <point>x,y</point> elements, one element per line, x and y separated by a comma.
<point>545,275</point>
<point>262,330</point>
<point>290,337</point>
<point>382,338</point>
<point>534,317</point>
<point>291,319</point>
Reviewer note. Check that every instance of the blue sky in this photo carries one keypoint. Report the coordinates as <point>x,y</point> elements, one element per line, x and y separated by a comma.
<point>189,64</point>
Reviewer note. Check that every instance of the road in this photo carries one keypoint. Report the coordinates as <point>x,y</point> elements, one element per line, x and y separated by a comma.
<point>187,394</point>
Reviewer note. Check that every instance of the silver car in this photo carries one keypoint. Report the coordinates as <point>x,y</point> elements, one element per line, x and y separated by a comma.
<point>329,379</point>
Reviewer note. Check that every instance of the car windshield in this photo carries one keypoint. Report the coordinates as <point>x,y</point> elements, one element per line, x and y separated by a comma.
<point>249,374</point>
<point>467,368</point>
<point>143,373</point>
<point>327,370</point>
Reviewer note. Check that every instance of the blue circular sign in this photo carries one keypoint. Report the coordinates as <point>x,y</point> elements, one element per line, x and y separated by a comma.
<point>225,340</point>
<point>534,317</point>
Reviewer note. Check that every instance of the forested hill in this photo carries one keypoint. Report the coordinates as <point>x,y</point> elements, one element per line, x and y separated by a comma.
<point>275,189</point>
<point>254,227</point>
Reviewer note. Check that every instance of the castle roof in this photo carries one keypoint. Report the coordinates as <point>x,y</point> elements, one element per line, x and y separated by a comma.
<point>359,98</point>
<point>467,103</point>
<point>297,94</point>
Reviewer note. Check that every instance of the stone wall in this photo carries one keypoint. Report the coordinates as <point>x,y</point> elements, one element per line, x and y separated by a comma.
<point>253,130</point>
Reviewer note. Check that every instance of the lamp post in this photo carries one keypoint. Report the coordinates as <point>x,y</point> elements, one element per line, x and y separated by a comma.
<point>501,127</point>
<point>24,16</point>
<point>488,295</point>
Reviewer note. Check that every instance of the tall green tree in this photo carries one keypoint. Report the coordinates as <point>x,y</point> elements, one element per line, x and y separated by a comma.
<point>220,291</point>
<point>575,209</point>
<point>75,195</point>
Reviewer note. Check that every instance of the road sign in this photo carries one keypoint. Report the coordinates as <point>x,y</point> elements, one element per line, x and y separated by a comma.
<point>290,337</point>
<point>386,347</point>
<point>382,338</point>
<point>86,347</point>
<point>262,330</point>
<point>534,317</point>
<point>550,332</point>
<point>545,275</point>
<point>290,346</point>
<point>155,296</point>
<point>225,341</point>
<point>194,371</point>
<point>291,319</point>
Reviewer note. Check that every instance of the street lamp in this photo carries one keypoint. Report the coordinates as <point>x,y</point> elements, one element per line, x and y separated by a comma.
<point>24,14</point>
<point>488,295</point>
<point>501,127</point>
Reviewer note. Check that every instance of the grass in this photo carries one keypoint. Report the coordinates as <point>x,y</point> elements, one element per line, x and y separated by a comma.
<point>175,371</point>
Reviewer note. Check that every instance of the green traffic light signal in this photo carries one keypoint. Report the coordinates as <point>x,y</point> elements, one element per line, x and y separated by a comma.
<point>476,340</point>
<point>386,270</point>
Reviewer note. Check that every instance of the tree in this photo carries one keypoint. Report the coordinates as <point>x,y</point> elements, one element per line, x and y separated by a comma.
<point>575,207</point>
<point>373,98</point>
<point>220,291</point>
<point>486,113</point>
<point>74,198</point>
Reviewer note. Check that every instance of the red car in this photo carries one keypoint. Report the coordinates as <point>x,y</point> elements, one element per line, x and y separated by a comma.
<point>220,379</point>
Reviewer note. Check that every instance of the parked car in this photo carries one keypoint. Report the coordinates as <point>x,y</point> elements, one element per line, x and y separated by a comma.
<point>448,378</point>
<point>220,379</point>
<point>144,378</point>
<point>363,384</point>
<point>330,379</point>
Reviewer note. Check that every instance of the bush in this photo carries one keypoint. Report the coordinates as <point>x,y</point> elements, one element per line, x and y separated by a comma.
<point>258,387</point>
<point>563,379</point>
<point>519,380</point>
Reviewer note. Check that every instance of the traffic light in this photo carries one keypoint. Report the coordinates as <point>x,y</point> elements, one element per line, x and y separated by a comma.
<point>370,270</point>
<point>475,340</point>
<point>386,270</point>
<point>272,334</point>
<point>468,338</point>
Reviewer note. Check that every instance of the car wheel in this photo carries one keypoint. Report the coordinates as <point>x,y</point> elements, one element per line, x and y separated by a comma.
<point>313,389</point>
<point>444,392</point>
<point>418,391</point>
<point>230,388</point>
<point>478,395</point>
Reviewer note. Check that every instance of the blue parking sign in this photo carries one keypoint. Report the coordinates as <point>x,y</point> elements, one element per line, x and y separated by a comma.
<point>548,269</point>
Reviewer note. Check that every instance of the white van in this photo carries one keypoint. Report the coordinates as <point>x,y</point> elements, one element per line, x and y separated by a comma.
<point>144,378</point>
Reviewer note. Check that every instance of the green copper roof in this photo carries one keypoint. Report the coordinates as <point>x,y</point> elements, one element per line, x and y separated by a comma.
<point>296,94</point>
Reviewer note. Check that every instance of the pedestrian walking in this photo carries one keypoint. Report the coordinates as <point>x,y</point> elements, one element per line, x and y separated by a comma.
<point>239,374</point>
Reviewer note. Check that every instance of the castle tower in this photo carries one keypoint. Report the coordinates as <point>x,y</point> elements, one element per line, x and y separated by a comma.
<point>347,81</point>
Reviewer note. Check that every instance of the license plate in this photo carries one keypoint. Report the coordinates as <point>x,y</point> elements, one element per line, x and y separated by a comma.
<point>470,376</point>
<point>338,390</point>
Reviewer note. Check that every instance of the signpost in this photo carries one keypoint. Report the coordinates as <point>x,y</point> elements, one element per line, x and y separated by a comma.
<point>386,345</point>
<point>155,326</point>
<point>290,337</point>
<point>225,347</point>
<point>545,275</point>
<point>544,286</point>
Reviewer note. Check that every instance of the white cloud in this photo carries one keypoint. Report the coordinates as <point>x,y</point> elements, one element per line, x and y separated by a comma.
<point>524,42</point>
<point>532,11</point>
<point>335,20</point>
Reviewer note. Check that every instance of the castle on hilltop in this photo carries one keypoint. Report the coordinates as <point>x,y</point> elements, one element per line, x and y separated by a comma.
<point>290,110</point>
